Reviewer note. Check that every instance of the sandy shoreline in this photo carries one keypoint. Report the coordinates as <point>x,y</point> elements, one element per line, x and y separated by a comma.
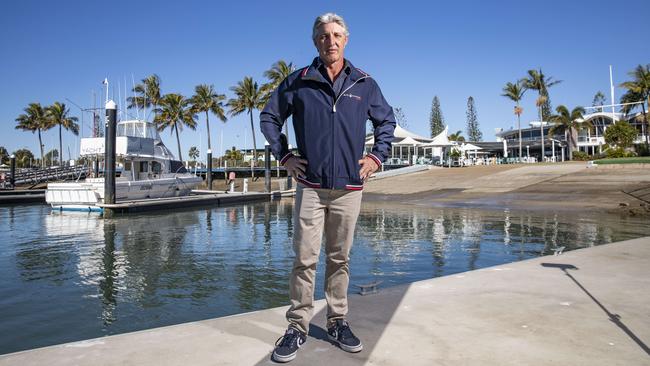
<point>564,187</point>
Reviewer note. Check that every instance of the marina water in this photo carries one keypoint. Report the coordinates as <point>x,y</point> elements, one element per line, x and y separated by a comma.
<point>68,277</point>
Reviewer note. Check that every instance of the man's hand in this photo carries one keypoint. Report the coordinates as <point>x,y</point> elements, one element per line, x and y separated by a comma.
<point>296,166</point>
<point>368,166</point>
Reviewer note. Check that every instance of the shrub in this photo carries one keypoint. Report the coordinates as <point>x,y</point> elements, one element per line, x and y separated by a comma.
<point>621,134</point>
<point>581,156</point>
<point>642,150</point>
<point>619,152</point>
<point>455,154</point>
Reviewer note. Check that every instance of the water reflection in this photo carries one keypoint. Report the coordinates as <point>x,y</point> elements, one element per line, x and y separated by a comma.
<point>81,276</point>
<point>395,238</point>
<point>108,275</point>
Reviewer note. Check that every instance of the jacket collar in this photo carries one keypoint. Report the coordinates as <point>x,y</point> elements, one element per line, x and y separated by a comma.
<point>311,72</point>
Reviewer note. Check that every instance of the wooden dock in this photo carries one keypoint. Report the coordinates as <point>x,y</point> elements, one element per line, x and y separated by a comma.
<point>199,198</point>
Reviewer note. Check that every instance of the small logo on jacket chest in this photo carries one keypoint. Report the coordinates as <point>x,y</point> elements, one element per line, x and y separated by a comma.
<point>352,96</point>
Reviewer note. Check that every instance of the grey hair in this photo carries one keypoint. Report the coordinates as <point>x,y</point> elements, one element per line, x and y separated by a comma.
<point>328,18</point>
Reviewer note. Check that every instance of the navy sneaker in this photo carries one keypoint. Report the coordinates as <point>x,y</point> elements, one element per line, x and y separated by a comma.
<point>286,347</point>
<point>341,334</point>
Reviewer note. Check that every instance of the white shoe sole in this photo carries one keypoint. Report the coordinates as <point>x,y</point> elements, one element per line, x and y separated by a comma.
<point>284,359</point>
<point>345,347</point>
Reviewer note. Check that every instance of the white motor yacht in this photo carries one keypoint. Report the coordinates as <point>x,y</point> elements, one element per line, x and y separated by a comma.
<point>150,171</point>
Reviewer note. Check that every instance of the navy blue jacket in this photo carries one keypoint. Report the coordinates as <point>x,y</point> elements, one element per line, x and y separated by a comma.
<point>330,129</point>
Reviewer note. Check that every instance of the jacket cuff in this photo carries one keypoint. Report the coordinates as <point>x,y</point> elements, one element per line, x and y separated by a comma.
<point>285,158</point>
<point>375,158</point>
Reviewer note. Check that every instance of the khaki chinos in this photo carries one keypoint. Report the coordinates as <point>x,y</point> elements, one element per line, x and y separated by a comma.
<point>335,212</point>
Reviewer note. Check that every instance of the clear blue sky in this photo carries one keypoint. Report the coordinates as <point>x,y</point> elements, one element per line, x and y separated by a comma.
<point>52,50</point>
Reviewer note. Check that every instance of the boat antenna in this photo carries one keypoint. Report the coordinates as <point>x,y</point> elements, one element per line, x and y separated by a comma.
<point>105,82</point>
<point>119,99</point>
<point>144,104</point>
<point>137,108</point>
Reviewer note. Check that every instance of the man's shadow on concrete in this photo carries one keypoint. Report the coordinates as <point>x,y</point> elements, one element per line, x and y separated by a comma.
<point>614,318</point>
<point>369,316</point>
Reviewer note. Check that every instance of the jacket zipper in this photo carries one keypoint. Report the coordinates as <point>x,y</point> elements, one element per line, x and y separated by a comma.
<point>333,119</point>
<point>346,89</point>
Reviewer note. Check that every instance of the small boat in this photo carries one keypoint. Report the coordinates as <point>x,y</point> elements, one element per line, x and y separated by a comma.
<point>150,171</point>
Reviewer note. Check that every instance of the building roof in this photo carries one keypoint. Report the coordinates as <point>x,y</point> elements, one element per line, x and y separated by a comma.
<point>440,140</point>
<point>408,141</point>
<point>400,134</point>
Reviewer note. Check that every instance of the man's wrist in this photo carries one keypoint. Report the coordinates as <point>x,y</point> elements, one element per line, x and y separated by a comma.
<point>375,159</point>
<point>284,159</point>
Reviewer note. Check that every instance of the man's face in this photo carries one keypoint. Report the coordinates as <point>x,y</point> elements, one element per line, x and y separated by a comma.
<point>330,42</point>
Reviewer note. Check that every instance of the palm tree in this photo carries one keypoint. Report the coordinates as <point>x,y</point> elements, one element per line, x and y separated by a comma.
<point>276,74</point>
<point>174,112</point>
<point>515,92</point>
<point>567,122</point>
<point>248,98</point>
<point>456,136</point>
<point>638,89</point>
<point>194,154</point>
<point>35,120</point>
<point>4,154</point>
<point>536,80</point>
<point>148,94</point>
<point>206,100</point>
<point>233,153</point>
<point>23,157</point>
<point>57,114</point>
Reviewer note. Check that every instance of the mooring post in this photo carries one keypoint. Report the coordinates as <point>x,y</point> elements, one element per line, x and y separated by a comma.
<point>12,180</point>
<point>208,173</point>
<point>267,167</point>
<point>289,179</point>
<point>109,159</point>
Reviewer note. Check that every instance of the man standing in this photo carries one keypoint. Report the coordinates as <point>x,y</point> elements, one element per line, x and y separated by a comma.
<point>330,101</point>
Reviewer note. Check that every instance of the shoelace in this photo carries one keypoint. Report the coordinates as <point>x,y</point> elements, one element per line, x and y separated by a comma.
<point>345,331</point>
<point>287,339</point>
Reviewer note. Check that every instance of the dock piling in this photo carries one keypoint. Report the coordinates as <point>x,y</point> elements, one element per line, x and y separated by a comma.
<point>208,173</point>
<point>109,168</point>
<point>267,168</point>
<point>12,180</point>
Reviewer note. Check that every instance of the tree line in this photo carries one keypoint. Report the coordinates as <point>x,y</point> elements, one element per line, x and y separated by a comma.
<point>175,111</point>
<point>564,120</point>
<point>171,111</point>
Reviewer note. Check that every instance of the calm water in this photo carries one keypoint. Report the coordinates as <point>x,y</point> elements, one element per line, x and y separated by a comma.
<point>66,277</point>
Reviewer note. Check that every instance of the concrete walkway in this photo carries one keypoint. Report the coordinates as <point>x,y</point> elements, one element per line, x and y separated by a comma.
<point>586,307</point>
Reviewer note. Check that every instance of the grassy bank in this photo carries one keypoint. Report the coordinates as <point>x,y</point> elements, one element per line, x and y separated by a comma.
<point>635,160</point>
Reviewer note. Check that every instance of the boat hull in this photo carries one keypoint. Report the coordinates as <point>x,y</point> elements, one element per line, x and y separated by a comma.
<point>87,195</point>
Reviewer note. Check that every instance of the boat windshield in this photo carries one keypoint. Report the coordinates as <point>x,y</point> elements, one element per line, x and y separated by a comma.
<point>137,129</point>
